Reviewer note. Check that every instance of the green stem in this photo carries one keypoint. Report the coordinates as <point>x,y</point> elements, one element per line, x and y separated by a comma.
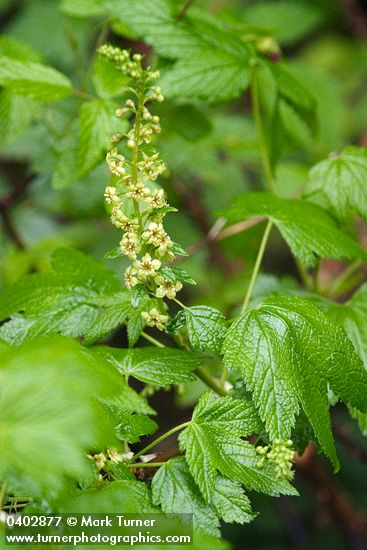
<point>257,265</point>
<point>179,303</point>
<point>223,378</point>
<point>184,8</point>
<point>211,382</point>
<point>146,465</point>
<point>304,274</point>
<point>265,158</point>
<point>343,277</point>
<point>158,440</point>
<point>82,94</point>
<point>101,38</point>
<point>103,35</point>
<point>256,107</point>
<point>14,506</point>
<point>20,499</point>
<point>135,153</point>
<point>200,371</point>
<point>152,340</point>
<point>316,277</point>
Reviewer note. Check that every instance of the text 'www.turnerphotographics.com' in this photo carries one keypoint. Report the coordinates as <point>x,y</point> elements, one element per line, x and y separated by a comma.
<point>111,529</point>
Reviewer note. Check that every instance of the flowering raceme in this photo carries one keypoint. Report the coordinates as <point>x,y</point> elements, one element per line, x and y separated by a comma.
<point>137,205</point>
<point>281,454</point>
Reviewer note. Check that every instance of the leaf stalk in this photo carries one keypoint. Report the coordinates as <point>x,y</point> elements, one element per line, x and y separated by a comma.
<point>158,440</point>
<point>257,265</point>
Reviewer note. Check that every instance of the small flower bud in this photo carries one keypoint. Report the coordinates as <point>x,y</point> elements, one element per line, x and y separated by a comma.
<point>155,319</point>
<point>129,245</point>
<point>114,455</point>
<point>157,200</point>
<point>130,277</point>
<point>116,138</point>
<point>99,460</point>
<point>111,196</point>
<point>147,267</point>
<point>167,288</point>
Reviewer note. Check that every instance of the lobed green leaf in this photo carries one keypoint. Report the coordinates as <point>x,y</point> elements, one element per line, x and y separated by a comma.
<point>206,328</point>
<point>159,367</point>
<point>341,181</point>
<point>175,490</point>
<point>212,64</point>
<point>80,297</point>
<point>288,352</point>
<point>34,80</point>
<point>308,229</point>
<point>50,415</point>
<point>212,436</point>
